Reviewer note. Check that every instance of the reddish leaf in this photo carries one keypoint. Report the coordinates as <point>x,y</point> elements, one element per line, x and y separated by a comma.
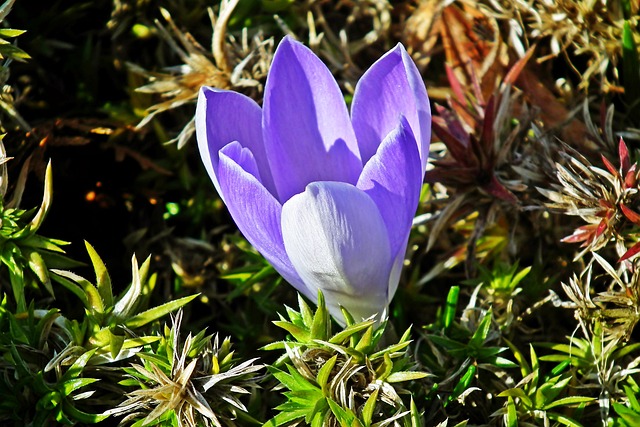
<point>633,250</point>
<point>623,151</point>
<point>602,227</point>
<point>631,178</point>
<point>495,188</point>
<point>605,204</point>
<point>631,215</point>
<point>454,82</point>
<point>452,124</point>
<point>456,148</point>
<point>487,126</point>
<point>464,113</point>
<point>517,68</point>
<point>581,234</point>
<point>609,165</point>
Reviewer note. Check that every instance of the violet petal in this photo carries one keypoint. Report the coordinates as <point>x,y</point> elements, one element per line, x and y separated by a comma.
<point>307,130</point>
<point>390,88</point>
<point>256,212</point>
<point>393,180</point>
<point>224,116</point>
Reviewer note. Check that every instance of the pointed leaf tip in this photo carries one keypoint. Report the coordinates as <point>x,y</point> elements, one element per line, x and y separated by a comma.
<point>623,152</point>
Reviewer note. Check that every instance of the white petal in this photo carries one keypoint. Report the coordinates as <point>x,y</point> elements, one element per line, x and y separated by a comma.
<point>337,241</point>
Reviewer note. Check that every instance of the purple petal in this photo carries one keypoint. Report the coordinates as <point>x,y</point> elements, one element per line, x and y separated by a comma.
<point>256,212</point>
<point>390,88</point>
<point>393,180</point>
<point>307,130</point>
<point>222,117</point>
<point>337,242</point>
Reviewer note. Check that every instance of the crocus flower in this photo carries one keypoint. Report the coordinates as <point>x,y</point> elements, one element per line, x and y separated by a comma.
<point>326,198</point>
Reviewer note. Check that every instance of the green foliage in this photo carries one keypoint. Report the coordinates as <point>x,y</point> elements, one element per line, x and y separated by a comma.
<point>629,413</point>
<point>56,362</point>
<point>33,390</point>
<point>631,68</point>
<point>187,383</point>
<point>8,50</point>
<point>499,287</point>
<point>110,323</point>
<point>515,171</point>
<point>27,256</point>
<point>257,278</point>
<point>542,397</point>
<point>502,281</point>
<point>457,350</point>
<point>348,377</point>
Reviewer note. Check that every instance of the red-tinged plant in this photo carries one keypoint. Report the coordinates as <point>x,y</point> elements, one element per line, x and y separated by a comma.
<point>483,166</point>
<point>627,175</point>
<point>479,136</point>
<point>606,199</point>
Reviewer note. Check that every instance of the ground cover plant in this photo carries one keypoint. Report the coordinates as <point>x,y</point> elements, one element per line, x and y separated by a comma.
<point>320,212</point>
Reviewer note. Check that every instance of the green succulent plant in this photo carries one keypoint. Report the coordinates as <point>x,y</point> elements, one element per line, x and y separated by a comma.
<point>111,322</point>
<point>33,391</point>
<point>538,397</point>
<point>346,378</point>
<point>195,382</point>
<point>27,256</point>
